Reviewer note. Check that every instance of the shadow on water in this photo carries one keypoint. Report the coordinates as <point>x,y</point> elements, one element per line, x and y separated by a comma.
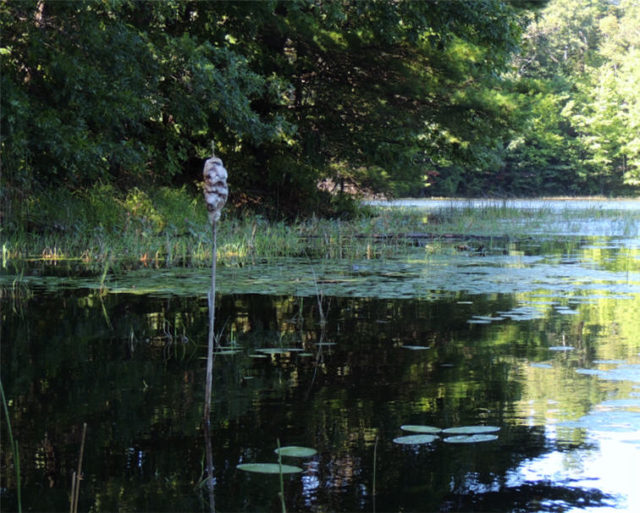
<point>541,357</point>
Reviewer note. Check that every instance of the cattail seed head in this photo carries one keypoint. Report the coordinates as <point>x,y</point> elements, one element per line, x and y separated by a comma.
<point>216,190</point>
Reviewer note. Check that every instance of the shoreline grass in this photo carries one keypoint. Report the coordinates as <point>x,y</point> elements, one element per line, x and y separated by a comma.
<point>168,227</point>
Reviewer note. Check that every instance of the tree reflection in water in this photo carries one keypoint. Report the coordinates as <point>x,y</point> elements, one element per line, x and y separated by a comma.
<point>138,380</point>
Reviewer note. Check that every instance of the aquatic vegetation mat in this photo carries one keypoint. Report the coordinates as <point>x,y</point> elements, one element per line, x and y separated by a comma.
<point>420,274</point>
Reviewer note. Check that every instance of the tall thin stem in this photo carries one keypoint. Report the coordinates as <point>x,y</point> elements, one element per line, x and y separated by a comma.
<point>209,382</point>
<point>211,341</point>
<point>375,458</point>
<point>281,494</point>
<point>14,447</point>
<point>77,476</point>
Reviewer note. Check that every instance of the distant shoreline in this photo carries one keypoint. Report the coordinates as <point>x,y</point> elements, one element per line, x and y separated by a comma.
<point>552,203</point>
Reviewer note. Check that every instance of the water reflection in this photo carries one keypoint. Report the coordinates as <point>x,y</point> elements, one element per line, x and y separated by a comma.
<point>554,364</point>
<point>520,204</point>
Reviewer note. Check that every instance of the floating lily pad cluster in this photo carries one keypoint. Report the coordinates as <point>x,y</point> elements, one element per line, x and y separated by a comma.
<point>293,451</point>
<point>453,435</point>
<point>422,435</point>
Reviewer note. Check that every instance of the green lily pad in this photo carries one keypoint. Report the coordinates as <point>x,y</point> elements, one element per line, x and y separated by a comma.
<point>416,348</point>
<point>279,350</point>
<point>415,439</point>
<point>296,451</point>
<point>478,321</point>
<point>542,365</point>
<point>414,428</point>
<point>470,430</point>
<point>269,468</point>
<point>470,439</point>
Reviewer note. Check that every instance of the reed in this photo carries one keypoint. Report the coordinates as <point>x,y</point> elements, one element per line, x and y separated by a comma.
<point>281,493</point>
<point>215,195</point>
<point>14,448</point>
<point>373,487</point>
<point>77,476</point>
<point>168,227</point>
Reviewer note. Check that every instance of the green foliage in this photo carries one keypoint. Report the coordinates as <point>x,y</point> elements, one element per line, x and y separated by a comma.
<point>365,94</point>
<point>575,82</point>
<point>111,91</point>
<point>381,90</point>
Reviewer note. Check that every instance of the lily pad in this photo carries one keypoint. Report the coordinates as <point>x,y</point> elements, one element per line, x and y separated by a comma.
<point>470,430</point>
<point>296,451</point>
<point>470,439</point>
<point>566,311</point>
<point>561,348</point>
<point>279,350</point>
<point>415,439</point>
<point>415,428</point>
<point>589,372</point>
<point>269,468</point>
<point>416,348</point>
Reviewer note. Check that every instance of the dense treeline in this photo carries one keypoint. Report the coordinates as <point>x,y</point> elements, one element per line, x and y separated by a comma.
<point>470,97</point>
<point>575,82</point>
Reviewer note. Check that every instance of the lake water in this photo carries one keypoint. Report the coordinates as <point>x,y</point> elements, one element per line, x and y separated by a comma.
<point>538,336</point>
<point>523,204</point>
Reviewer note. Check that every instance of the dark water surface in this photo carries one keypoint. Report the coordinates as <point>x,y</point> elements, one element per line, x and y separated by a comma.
<point>540,339</point>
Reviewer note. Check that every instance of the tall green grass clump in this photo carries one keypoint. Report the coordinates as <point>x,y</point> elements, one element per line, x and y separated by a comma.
<point>95,222</point>
<point>165,226</point>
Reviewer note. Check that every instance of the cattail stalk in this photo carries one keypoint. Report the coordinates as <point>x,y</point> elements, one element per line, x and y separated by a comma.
<point>215,195</point>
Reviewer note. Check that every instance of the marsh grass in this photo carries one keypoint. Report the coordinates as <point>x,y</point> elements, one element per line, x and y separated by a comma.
<point>167,227</point>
